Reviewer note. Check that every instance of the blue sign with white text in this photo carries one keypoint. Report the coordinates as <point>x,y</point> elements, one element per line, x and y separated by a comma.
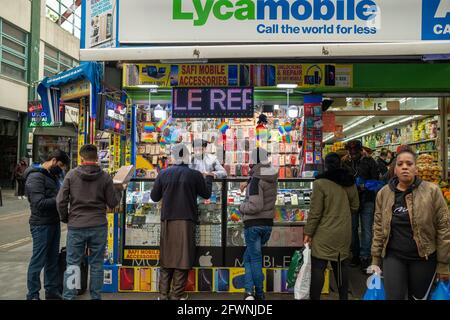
<point>435,20</point>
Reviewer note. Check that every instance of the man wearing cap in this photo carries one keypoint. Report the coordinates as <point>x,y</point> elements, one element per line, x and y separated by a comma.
<point>205,162</point>
<point>364,169</point>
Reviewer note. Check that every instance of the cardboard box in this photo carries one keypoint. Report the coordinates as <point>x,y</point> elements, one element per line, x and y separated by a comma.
<point>124,175</point>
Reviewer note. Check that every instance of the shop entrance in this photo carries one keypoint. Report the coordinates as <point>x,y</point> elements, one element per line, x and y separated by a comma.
<point>385,124</point>
<point>9,147</point>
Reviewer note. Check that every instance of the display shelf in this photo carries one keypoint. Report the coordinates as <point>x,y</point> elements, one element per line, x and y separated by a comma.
<point>428,151</point>
<point>422,141</point>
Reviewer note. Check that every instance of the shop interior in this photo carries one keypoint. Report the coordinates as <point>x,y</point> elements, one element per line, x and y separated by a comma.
<point>378,122</point>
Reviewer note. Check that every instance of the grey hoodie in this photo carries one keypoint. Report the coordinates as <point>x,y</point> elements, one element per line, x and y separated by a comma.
<point>89,191</point>
<point>261,195</point>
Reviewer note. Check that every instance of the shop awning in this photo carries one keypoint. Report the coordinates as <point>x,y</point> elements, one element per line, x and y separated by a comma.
<point>49,88</point>
<point>68,131</point>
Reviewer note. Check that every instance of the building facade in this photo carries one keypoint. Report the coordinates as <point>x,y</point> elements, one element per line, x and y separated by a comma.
<point>38,38</point>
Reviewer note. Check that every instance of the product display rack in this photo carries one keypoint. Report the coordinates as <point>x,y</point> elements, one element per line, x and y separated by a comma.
<point>220,232</point>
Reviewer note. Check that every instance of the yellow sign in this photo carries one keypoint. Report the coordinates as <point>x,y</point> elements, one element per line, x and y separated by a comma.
<point>289,73</point>
<point>224,75</point>
<point>184,75</point>
<point>81,129</point>
<point>141,254</point>
<point>75,90</point>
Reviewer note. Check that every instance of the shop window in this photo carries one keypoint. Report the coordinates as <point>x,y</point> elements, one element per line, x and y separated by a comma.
<point>65,13</point>
<point>55,61</point>
<point>13,51</point>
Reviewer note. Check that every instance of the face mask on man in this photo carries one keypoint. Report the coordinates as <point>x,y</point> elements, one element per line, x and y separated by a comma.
<point>56,171</point>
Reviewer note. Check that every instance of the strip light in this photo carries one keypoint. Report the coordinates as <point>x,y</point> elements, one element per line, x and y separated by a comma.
<point>392,124</point>
<point>357,123</point>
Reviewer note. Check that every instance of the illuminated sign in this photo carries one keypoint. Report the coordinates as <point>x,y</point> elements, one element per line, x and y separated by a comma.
<point>212,102</point>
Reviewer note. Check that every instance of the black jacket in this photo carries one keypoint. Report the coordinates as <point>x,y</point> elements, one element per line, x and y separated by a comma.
<point>338,176</point>
<point>178,187</point>
<point>41,188</point>
<point>383,166</point>
<point>366,168</point>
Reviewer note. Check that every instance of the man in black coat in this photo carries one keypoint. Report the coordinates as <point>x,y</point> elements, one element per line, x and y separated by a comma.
<point>178,187</point>
<point>363,168</point>
<point>41,187</point>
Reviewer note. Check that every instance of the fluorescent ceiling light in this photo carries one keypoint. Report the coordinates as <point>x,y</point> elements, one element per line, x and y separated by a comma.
<point>357,123</point>
<point>328,137</point>
<point>148,86</point>
<point>386,126</point>
<point>287,86</point>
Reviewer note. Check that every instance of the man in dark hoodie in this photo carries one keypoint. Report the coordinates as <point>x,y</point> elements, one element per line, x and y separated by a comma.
<point>41,188</point>
<point>329,227</point>
<point>89,191</point>
<point>258,214</point>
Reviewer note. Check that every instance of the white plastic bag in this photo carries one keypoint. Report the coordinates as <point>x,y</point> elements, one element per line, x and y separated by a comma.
<point>303,282</point>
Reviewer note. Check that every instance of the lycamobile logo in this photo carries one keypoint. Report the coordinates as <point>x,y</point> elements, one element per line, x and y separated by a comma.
<point>270,9</point>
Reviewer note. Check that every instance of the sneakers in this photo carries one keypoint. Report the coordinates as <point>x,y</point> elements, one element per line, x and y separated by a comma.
<point>260,297</point>
<point>249,296</point>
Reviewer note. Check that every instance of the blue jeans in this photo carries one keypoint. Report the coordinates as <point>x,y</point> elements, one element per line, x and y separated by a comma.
<point>77,241</point>
<point>45,256</point>
<point>362,249</point>
<point>255,238</point>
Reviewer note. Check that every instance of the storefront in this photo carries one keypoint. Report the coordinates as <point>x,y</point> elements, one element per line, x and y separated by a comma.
<point>337,87</point>
<point>9,144</point>
<point>406,114</point>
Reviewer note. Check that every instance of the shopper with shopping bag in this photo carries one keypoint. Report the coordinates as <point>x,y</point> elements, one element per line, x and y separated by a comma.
<point>329,227</point>
<point>411,232</point>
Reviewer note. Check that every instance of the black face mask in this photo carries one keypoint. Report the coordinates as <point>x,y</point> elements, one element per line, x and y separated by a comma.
<point>56,171</point>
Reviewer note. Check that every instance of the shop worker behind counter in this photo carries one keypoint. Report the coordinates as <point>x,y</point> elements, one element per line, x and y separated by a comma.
<point>89,191</point>
<point>258,211</point>
<point>178,187</point>
<point>41,188</point>
<point>205,162</point>
<point>363,168</point>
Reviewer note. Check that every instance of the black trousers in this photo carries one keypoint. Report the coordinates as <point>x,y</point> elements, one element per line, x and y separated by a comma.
<point>21,187</point>
<point>174,279</point>
<point>340,270</point>
<point>407,278</point>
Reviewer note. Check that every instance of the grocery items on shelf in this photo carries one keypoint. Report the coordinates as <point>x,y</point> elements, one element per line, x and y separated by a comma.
<point>427,170</point>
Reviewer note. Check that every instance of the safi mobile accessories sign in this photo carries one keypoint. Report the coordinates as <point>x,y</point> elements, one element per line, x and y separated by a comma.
<point>282,21</point>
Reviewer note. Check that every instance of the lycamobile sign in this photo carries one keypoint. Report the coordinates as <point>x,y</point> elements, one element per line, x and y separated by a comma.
<point>300,10</point>
<point>281,21</point>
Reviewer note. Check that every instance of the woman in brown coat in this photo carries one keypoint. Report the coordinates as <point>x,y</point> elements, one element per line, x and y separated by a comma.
<point>411,233</point>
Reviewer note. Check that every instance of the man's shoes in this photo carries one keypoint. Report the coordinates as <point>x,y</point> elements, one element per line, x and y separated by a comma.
<point>33,298</point>
<point>249,296</point>
<point>355,262</point>
<point>53,296</point>
<point>365,263</point>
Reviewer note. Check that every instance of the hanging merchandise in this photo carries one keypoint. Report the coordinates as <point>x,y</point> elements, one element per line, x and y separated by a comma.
<point>223,127</point>
<point>149,127</point>
<point>161,125</point>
